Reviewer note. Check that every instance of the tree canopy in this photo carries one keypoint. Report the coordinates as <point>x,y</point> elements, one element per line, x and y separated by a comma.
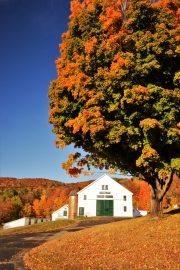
<point>117,93</point>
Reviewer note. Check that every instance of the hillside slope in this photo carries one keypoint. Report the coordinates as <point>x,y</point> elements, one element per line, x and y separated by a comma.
<point>130,244</point>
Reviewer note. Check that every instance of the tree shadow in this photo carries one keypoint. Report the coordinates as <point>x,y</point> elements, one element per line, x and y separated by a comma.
<point>173,211</point>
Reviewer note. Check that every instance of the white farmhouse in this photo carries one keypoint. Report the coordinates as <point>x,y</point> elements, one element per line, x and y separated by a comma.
<point>61,213</point>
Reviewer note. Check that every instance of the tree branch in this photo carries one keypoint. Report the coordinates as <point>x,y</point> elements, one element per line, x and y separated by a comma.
<point>167,183</point>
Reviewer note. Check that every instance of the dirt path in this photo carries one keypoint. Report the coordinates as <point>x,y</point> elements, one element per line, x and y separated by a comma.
<point>14,247</point>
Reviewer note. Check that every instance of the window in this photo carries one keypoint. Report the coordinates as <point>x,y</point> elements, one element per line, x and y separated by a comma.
<point>125,208</point>
<point>65,213</point>
<point>104,192</point>
<point>85,197</point>
<point>100,196</point>
<point>109,196</point>
<point>124,198</point>
<point>81,211</point>
<point>104,187</point>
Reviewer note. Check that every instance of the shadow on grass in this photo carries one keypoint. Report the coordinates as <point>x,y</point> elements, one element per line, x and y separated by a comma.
<point>173,211</point>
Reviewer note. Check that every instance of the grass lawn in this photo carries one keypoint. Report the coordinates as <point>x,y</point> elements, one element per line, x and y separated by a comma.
<point>39,227</point>
<point>138,243</point>
<point>43,227</point>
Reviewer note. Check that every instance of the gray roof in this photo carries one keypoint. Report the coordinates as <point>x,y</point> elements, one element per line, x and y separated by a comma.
<point>73,193</point>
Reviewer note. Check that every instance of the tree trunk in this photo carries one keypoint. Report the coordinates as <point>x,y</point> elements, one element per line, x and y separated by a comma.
<point>156,208</point>
<point>158,189</point>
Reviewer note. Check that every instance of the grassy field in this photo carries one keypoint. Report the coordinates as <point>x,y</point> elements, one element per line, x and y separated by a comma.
<point>43,227</point>
<point>138,244</point>
<point>39,227</point>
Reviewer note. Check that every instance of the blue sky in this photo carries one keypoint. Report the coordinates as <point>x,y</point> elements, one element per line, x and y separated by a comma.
<point>30,35</point>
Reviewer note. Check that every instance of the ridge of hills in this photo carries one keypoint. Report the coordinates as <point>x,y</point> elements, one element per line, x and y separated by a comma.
<point>40,197</point>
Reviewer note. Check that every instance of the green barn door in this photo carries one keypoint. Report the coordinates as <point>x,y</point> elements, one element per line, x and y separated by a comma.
<point>99,208</point>
<point>104,207</point>
<point>109,208</point>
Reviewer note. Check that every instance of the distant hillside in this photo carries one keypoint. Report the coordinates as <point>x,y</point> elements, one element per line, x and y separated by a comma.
<point>37,183</point>
<point>36,197</point>
<point>28,182</point>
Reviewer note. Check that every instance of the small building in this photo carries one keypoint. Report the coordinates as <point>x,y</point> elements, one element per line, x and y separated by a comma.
<point>143,212</point>
<point>136,213</point>
<point>24,222</point>
<point>61,213</point>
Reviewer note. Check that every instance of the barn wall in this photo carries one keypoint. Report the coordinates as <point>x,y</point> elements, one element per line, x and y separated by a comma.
<point>87,197</point>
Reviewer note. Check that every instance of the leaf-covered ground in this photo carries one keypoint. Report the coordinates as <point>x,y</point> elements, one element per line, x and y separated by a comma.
<point>130,244</point>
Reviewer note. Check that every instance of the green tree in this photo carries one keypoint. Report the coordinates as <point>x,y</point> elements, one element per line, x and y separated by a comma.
<point>37,194</point>
<point>117,94</point>
<point>24,191</point>
<point>17,203</point>
<point>10,192</point>
<point>26,210</point>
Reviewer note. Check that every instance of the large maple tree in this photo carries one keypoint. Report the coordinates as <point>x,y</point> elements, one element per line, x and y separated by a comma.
<point>117,93</point>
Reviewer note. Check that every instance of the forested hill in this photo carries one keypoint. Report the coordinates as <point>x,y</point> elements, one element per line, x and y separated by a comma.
<point>30,185</point>
<point>39,197</point>
<point>27,182</point>
<point>36,197</point>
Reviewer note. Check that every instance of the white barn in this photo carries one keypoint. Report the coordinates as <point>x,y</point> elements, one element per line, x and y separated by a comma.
<point>61,213</point>
<point>105,197</point>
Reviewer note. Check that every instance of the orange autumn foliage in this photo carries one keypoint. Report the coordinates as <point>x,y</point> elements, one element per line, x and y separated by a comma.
<point>33,197</point>
<point>144,197</point>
